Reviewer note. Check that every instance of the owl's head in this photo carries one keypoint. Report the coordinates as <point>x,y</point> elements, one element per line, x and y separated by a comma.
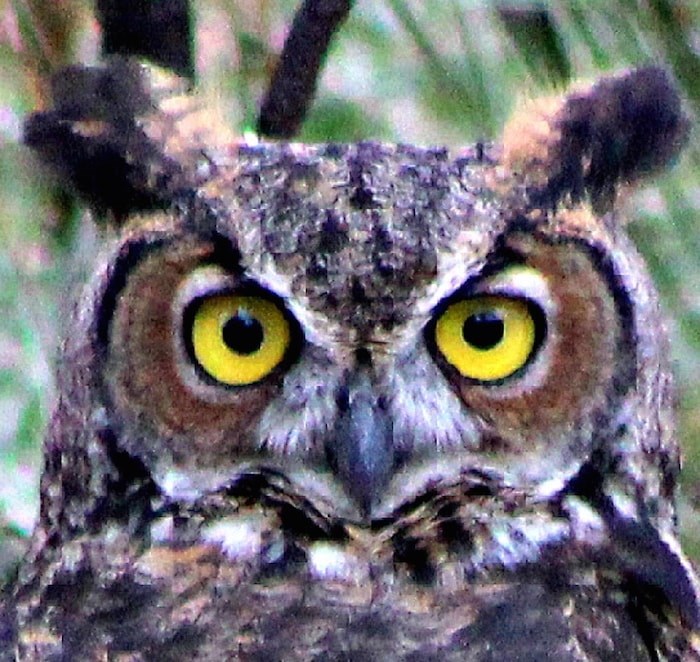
<point>376,321</point>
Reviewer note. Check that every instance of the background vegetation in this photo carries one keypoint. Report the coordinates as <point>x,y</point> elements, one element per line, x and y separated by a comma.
<point>424,71</point>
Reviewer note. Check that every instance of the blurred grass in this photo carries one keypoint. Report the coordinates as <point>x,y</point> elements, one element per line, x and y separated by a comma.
<point>430,72</point>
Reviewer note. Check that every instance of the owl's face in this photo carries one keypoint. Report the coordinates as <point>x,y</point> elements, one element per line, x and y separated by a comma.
<point>373,397</point>
<point>330,322</point>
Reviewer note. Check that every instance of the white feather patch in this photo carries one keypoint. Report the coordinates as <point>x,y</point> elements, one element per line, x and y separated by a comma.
<point>238,538</point>
<point>331,562</point>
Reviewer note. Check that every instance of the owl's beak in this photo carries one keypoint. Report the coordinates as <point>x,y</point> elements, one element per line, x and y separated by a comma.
<point>360,451</point>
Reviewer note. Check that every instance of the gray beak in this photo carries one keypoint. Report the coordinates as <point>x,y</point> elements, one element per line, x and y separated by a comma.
<point>361,449</point>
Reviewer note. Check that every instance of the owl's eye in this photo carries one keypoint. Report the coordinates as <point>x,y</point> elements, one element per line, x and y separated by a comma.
<point>238,340</point>
<point>487,338</point>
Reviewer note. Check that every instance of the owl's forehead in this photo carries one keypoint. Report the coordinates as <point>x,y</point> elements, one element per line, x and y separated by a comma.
<point>359,232</point>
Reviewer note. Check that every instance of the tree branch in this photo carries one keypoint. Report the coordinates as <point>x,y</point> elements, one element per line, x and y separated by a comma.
<point>293,85</point>
<point>158,30</point>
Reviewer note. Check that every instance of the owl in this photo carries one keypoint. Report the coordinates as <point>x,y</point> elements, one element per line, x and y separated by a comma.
<point>358,401</point>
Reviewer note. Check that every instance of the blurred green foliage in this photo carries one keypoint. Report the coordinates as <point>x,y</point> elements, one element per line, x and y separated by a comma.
<point>423,71</point>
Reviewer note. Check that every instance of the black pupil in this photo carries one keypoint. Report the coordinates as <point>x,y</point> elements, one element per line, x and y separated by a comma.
<point>483,330</point>
<point>243,334</point>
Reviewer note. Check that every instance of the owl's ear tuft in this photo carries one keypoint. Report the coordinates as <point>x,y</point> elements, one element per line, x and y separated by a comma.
<point>126,136</point>
<point>596,138</point>
<point>89,138</point>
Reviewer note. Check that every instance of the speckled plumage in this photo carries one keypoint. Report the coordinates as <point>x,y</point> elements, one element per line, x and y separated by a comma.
<point>529,519</point>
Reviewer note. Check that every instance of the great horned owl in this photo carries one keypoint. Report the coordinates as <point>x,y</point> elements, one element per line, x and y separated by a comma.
<point>369,401</point>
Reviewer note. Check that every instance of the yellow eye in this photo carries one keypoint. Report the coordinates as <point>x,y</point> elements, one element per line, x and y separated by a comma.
<point>238,340</point>
<point>486,338</point>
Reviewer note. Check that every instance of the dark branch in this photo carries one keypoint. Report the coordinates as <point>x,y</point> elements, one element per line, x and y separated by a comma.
<point>537,37</point>
<point>294,82</point>
<point>158,30</point>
